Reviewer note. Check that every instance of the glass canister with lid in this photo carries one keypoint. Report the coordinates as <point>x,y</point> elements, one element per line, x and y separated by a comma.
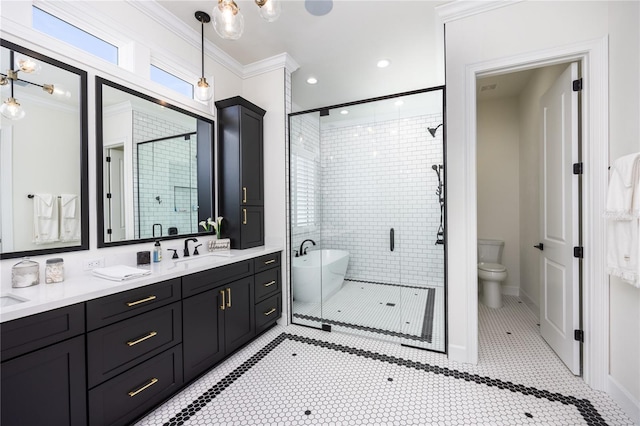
<point>25,273</point>
<point>54,271</point>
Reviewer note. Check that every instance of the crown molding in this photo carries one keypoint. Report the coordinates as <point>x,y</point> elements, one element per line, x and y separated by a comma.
<point>283,60</point>
<point>460,9</point>
<point>158,13</point>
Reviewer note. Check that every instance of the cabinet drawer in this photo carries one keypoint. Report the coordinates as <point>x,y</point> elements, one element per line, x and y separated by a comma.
<point>206,280</point>
<point>118,347</point>
<point>267,283</point>
<point>37,331</point>
<point>110,309</point>
<point>129,395</point>
<point>269,261</point>
<point>267,312</point>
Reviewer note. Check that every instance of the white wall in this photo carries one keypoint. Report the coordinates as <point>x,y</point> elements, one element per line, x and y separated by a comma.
<point>516,29</point>
<point>530,119</point>
<point>498,182</point>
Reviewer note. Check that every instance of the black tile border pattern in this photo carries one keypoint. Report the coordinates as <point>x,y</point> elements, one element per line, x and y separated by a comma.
<point>584,406</point>
<point>427,325</point>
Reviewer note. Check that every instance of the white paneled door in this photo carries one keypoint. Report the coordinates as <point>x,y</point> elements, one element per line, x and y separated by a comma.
<point>559,231</point>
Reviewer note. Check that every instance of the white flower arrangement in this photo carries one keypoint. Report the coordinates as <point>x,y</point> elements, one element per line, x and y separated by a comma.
<point>215,225</point>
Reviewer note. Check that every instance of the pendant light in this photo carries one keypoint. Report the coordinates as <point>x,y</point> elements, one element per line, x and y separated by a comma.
<point>269,9</point>
<point>203,90</point>
<point>227,20</point>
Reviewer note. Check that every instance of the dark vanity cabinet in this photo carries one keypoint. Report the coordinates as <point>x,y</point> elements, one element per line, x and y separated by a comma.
<point>241,165</point>
<point>134,352</point>
<point>219,317</point>
<point>43,369</point>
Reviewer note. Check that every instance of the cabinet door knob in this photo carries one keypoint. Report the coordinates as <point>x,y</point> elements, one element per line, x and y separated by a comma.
<point>223,302</point>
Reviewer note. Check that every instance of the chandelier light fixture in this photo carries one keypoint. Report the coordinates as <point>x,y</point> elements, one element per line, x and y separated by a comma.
<point>229,22</point>
<point>11,108</point>
<point>204,92</point>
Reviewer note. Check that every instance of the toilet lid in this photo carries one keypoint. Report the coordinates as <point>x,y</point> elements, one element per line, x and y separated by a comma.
<point>491,267</point>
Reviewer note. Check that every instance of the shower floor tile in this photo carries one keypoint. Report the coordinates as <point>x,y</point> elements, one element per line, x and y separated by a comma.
<point>375,310</point>
<point>297,376</point>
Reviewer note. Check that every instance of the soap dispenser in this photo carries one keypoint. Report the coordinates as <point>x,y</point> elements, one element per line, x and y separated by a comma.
<point>157,252</point>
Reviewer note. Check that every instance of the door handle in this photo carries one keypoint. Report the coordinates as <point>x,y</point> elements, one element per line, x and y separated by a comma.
<point>244,195</point>
<point>539,246</point>
<point>392,242</point>
<point>223,302</point>
<point>244,216</point>
<point>228,297</point>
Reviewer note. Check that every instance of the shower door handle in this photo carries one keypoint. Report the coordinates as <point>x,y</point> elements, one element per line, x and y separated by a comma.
<point>392,242</point>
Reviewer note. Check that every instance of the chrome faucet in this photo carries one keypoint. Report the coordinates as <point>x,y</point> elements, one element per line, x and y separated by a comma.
<point>302,253</point>
<point>186,245</point>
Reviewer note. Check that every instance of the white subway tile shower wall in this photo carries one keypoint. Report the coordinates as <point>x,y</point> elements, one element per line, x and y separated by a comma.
<point>168,173</point>
<point>376,177</point>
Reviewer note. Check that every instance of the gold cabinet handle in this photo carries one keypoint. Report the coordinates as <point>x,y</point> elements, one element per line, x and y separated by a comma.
<point>244,219</point>
<point>269,262</point>
<point>228,297</point>
<point>137,302</point>
<point>270,283</point>
<point>222,306</point>
<point>244,195</point>
<point>137,391</point>
<point>266,314</point>
<point>142,339</point>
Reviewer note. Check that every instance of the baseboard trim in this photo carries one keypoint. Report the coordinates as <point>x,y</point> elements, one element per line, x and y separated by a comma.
<point>458,353</point>
<point>511,290</point>
<point>626,401</point>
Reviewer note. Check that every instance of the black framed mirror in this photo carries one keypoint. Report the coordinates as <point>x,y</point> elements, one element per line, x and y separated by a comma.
<point>155,167</point>
<point>44,199</point>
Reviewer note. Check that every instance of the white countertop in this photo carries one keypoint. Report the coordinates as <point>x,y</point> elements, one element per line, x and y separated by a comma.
<point>86,286</point>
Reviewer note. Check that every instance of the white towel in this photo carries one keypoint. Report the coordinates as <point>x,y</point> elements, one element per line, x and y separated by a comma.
<point>70,224</point>
<point>120,272</point>
<point>623,212</point>
<point>45,219</point>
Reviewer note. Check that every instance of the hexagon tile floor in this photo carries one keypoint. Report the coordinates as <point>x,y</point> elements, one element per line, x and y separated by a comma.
<point>298,376</point>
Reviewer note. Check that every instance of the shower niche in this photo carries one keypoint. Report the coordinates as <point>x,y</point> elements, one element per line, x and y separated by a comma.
<point>367,184</point>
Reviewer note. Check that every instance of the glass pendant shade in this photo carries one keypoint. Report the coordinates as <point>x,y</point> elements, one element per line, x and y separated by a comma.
<point>28,65</point>
<point>227,20</point>
<point>12,110</point>
<point>270,10</point>
<point>203,90</point>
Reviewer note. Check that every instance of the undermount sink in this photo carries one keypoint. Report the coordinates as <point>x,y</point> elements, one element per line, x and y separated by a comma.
<point>201,258</point>
<point>10,300</point>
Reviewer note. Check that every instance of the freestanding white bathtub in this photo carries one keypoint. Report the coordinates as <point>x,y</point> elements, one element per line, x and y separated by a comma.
<point>318,274</point>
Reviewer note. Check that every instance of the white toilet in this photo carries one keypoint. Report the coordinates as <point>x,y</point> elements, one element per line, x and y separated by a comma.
<point>491,273</point>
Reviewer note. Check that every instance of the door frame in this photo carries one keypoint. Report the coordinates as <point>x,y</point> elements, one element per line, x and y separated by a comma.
<point>593,56</point>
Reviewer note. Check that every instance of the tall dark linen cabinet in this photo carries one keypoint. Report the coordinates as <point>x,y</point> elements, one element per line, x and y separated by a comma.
<point>241,165</point>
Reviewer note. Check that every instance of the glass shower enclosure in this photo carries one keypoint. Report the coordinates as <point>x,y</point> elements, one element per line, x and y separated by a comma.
<point>366,209</point>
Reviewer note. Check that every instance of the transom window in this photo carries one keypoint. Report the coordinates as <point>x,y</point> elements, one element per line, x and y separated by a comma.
<point>171,81</point>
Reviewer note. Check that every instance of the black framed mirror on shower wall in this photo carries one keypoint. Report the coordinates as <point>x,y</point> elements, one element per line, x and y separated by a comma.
<point>155,165</point>
<point>368,218</point>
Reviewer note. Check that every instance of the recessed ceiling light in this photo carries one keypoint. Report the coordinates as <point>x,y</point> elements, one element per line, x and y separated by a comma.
<point>383,63</point>
<point>312,80</point>
<point>344,112</point>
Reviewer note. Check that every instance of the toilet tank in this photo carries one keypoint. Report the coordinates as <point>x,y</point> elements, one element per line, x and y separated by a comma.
<point>490,251</point>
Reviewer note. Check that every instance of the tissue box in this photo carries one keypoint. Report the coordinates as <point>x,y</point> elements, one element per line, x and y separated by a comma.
<point>222,244</point>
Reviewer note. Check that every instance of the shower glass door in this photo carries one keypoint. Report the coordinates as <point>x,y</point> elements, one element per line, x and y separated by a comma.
<point>367,186</point>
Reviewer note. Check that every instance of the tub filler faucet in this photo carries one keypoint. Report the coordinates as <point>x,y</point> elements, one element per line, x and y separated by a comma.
<point>301,252</point>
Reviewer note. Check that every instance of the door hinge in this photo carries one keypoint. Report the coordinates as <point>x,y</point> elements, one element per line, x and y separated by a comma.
<point>578,252</point>
<point>577,85</point>
<point>577,168</point>
<point>109,195</point>
<point>109,231</point>
<point>578,335</point>
<point>107,159</point>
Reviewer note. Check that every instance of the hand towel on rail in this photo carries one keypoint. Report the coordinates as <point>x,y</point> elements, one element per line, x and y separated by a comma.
<point>70,226</point>
<point>45,219</point>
